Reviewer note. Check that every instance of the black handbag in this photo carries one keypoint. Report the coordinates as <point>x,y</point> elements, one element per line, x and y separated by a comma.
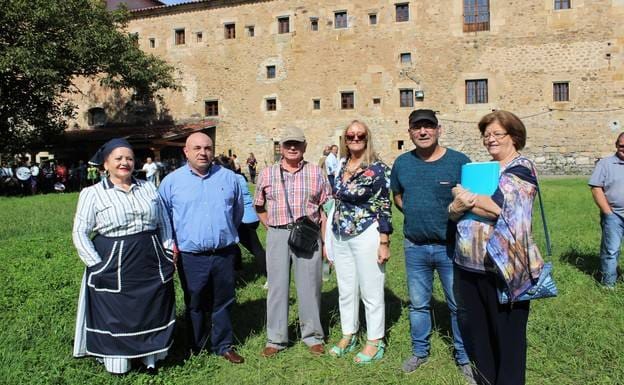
<point>544,286</point>
<point>304,233</point>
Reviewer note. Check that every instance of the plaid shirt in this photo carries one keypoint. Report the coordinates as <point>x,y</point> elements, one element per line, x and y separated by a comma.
<point>307,189</point>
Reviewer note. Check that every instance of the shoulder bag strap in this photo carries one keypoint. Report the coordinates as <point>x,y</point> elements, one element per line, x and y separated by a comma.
<point>546,235</point>
<point>285,193</point>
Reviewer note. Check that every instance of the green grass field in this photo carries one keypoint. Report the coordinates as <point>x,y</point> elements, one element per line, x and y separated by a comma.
<point>576,338</point>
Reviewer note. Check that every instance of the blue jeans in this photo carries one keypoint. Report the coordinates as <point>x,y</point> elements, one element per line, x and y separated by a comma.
<point>612,233</point>
<point>420,263</point>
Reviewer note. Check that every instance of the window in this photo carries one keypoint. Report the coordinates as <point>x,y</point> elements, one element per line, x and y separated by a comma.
<point>96,116</point>
<point>270,72</point>
<point>179,36</point>
<point>476,91</point>
<point>346,100</point>
<point>340,19</point>
<point>316,104</point>
<point>476,15</point>
<point>561,92</point>
<point>402,12</point>
<point>211,108</point>
<point>406,58</point>
<point>251,31</point>
<point>230,31</point>
<point>283,24</point>
<point>199,36</point>
<point>376,101</point>
<point>562,4</point>
<point>407,98</point>
<point>400,144</point>
<point>313,24</point>
<point>271,104</point>
<point>372,18</point>
<point>152,42</point>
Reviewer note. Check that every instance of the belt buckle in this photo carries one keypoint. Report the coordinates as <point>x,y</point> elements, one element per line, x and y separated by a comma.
<point>290,226</point>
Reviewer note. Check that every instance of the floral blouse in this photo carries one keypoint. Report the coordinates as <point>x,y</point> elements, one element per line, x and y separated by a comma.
<point>362,200</point>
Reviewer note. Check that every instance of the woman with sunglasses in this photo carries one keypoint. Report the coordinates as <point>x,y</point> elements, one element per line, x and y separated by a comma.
<point>360,241</point>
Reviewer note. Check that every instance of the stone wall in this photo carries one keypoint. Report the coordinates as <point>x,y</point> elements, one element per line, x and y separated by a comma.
<point>528,47</point>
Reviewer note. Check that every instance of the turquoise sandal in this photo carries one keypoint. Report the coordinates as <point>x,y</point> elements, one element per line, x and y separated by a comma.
<point>364,359</point>
<point>337,351</point>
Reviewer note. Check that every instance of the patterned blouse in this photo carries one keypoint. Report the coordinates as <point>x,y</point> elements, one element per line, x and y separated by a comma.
<point>362,200</point>
<point>505,246</point>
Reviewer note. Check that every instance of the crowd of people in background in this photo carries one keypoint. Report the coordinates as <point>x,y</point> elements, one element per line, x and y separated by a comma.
<point>22,178</point>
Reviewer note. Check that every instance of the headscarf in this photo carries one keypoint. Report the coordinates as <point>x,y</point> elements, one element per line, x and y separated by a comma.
<point>103,152</point>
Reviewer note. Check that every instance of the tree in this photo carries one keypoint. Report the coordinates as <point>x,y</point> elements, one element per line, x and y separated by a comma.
<point>44,45</point>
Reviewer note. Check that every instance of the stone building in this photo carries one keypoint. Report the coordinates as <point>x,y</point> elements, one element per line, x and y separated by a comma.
<point>249,68</point>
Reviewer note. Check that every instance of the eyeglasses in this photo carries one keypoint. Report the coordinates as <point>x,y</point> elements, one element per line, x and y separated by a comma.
<point>496,135</point>
<point>355,137</point>
<point>427,126</point>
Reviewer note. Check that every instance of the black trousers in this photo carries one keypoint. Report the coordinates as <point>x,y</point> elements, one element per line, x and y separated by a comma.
<point>494,335</point>
<point>249,238</point>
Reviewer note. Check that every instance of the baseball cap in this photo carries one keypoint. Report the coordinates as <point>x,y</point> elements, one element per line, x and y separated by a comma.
<point>428,115</point>
<point>292,134</point>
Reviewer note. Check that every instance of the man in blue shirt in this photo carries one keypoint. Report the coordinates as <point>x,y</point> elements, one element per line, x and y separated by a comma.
<point>421,181</point>
<point>332,164</point>
<point>205,204</point>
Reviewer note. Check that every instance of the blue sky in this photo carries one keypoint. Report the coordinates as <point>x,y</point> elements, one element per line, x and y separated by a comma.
<point>169,2</point>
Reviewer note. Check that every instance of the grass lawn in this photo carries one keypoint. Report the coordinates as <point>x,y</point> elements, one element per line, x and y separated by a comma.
<point>577,338</point>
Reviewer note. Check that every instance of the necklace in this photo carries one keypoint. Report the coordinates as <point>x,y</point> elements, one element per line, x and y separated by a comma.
<point>351,170</point>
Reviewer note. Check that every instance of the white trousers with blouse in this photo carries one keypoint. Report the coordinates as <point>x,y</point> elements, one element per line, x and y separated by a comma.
<point>360,276</point>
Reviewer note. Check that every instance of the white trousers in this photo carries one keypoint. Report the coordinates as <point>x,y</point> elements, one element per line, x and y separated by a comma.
<point>359,274</point>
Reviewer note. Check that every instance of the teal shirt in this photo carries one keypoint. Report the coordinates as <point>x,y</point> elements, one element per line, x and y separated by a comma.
<point>426,192</point>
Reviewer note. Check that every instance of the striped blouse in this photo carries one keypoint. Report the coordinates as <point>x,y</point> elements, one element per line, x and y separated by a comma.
<point>110,211</point>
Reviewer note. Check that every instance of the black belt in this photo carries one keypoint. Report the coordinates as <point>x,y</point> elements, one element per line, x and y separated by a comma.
<point>210,252</point>
<point>284,227</point>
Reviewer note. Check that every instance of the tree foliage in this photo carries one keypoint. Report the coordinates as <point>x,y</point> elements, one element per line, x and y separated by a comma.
<point>44,45</point>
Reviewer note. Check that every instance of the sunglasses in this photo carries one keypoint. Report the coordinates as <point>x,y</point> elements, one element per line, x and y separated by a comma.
<point>355,137</point>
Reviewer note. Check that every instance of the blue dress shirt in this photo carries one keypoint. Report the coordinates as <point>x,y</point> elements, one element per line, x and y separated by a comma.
<point>205,210</point>
<point>250,215</point>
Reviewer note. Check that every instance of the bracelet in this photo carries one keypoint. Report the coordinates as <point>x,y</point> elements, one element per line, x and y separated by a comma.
<point>384,243</point>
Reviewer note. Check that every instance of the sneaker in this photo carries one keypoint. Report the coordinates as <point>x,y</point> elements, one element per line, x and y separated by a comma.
<point>413,363</point>
<point>466,370</point>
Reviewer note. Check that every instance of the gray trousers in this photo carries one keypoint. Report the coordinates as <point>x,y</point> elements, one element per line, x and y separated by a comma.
<point>307,269</point>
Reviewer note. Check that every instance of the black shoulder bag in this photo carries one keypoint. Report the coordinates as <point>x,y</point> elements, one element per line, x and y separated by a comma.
<point>304,233</point>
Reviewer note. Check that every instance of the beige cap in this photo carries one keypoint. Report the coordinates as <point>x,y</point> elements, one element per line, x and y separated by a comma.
<point>292,134</point>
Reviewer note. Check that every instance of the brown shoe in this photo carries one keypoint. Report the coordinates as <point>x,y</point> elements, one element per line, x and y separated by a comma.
<point>317,349</point>
<point>233,357</point>
<point>269,351</point>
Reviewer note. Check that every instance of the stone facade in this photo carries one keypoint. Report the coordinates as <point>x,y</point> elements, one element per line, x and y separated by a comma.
<point>529,45</point>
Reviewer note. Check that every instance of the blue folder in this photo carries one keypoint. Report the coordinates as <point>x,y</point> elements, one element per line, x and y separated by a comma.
<point>480,178</point>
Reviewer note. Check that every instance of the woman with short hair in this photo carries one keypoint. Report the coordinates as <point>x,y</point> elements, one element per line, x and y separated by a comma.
<point>126,307</point>
<point>497,250</point>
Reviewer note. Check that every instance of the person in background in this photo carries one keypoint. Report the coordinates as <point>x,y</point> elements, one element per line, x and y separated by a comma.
<point>247,230</point>
<point>607,187</point>
<point>332,165</point>
<point>151,169</point>
<point>237,167</point>
<point>126,307</point>
<point>361,228</point>
<point>252,166</point>
<point>497,245</point>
